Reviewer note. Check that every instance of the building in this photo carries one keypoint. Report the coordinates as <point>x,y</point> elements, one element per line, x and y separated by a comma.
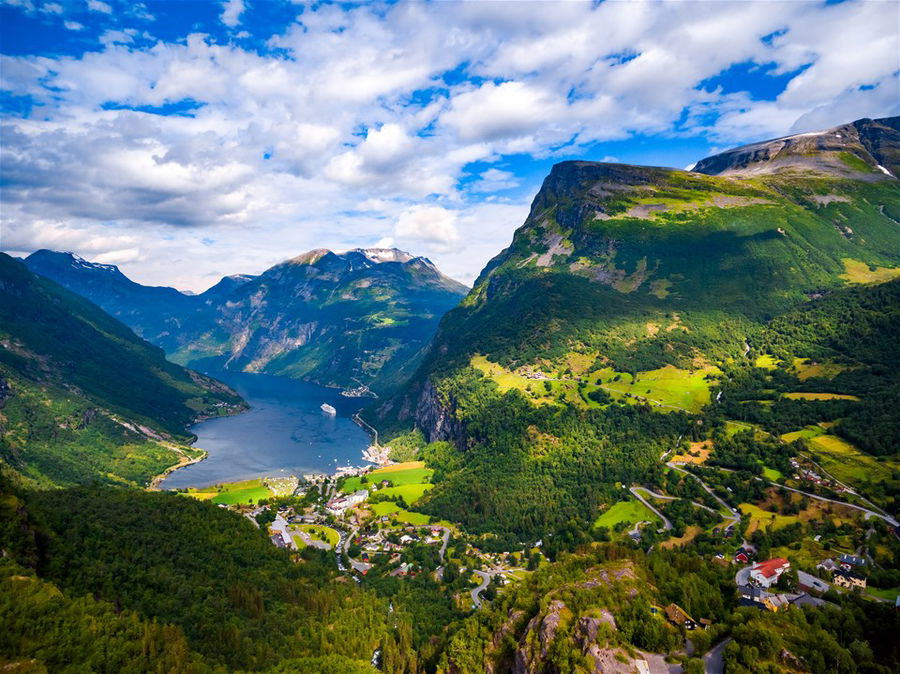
<point>828,565</point>
<point>338,505</point>
<point>849,580</point>
<point>767,573</point>
<point>678,616</point>
<point>751,595</point>
<point>849,561</point>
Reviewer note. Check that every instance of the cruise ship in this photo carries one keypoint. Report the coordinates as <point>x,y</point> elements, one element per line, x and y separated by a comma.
<point>328,409</point>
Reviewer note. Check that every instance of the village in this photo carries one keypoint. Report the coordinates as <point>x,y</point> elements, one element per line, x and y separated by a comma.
<point>362,515</point>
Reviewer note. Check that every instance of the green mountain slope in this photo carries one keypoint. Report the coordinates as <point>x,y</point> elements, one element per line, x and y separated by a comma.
<point>332,318</point>
<point>83,397</point>
<point>637,286</point>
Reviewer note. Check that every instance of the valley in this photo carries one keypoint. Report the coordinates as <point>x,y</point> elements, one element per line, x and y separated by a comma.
<point>658,434</point>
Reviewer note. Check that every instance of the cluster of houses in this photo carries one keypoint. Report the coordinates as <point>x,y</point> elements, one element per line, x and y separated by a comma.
<point>845,571</point>
<point>340,504</point>
<point>808,475</point>
<point>379,542</point>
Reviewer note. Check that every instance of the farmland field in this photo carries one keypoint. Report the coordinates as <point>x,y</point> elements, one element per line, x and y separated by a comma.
<point>808,432</point>
<point>401,474</point>
<point>244,492</point>
<point>409,492</point>
<point>393,510</point>
<point>625,511</point>
<point>761,519</point>
<point>666,388</point>
<point>819,396</point>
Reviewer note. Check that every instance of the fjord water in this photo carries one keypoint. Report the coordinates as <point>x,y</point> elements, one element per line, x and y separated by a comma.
<point>284,430</point>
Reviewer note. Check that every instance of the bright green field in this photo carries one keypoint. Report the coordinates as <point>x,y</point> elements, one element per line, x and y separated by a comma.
<point>761,519</point>
<point>333,537</point>
<point>245,492</point>
<point>393,510</point>
<point>772,474</point>
<point>668,387</point>
<point>410,492</point>
<point>665,388</point>
<point>767,362</point>
<point>625,511</point>
<point>415,474</point>
<point>890,593</point>
<point>807,432</point>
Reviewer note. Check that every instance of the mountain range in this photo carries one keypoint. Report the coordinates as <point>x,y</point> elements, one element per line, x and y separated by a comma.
<point>341,319</point>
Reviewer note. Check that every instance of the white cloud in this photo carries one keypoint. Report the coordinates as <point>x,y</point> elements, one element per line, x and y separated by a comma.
<point>434,226</point>
<point>360,130</point>
<point>99,6</point>
<point>495,180</point>
<point>73,25</point>
<point>231,12</point>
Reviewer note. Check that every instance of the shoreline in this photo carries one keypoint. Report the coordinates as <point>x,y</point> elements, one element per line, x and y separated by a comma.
<point>186,461</point>
<point>183,463</point>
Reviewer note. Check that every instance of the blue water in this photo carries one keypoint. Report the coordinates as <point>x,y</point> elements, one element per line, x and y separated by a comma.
<point>284,430</point>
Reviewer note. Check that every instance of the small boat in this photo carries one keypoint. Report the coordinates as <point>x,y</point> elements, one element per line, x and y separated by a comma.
<point>328,409</point>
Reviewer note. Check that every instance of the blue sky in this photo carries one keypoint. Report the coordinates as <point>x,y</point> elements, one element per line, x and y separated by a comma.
<point>186,140</point>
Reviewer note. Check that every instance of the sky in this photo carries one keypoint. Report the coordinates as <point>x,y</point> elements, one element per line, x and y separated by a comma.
<point>185,140</point>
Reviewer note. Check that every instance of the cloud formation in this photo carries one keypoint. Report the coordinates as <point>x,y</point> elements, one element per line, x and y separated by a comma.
<point>421,123</point>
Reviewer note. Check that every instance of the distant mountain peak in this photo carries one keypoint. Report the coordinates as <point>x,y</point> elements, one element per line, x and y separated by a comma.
<point>866,148</point>
<point>379,255</point>
<point>69,258</point>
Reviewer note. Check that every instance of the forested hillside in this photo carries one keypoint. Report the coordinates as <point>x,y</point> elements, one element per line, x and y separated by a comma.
<point>82,397</point>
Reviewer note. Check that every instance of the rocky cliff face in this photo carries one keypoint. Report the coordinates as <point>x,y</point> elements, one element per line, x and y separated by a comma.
<point>334,318</point>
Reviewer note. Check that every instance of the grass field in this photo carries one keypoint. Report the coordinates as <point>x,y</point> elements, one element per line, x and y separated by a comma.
<point>847,463</point>
<point>819,396</point>
<point>772,474</point>
<point>400,474</point>
<point>807,369</point>
<point>665,388</point>
<point>761,519</point>
<point>332,537</point>
<point>859,272</point>
<point>410,492</point>
<point>625,511</point>
<point>245,492</point>
<point>807,432</point>
<point>396,512</point>
<point>889,593</point>
<point>766,362</point>
<point>668,386</point>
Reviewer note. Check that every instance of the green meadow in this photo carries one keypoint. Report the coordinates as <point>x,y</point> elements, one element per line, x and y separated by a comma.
<point>233,493</point>
<point>631,512</point>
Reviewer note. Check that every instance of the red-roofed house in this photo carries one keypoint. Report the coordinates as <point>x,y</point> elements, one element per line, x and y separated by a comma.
<point>766,574</point>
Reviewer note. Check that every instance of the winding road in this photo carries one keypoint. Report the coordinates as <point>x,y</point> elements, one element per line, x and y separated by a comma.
<point>667,525</point>
<point>485,580</point>
<point>735,514</point>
